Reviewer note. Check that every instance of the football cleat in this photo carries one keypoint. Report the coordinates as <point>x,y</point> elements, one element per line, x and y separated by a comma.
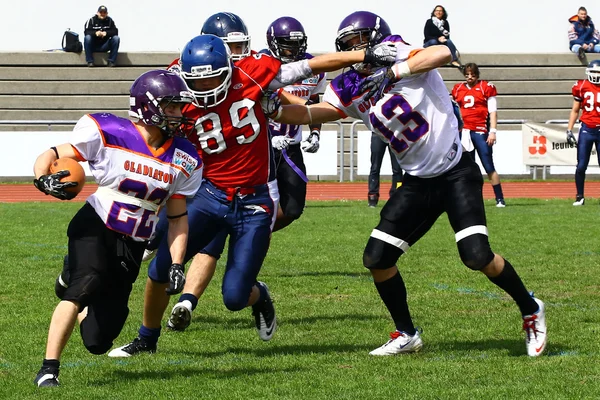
<point>47,377</point>
<point>62,282</point>
<point>400,342</point>
<point>579,201</point>
<point>138,346</point>
<point>148,254</point>
<point>500,203</point>
<point>535,330</point>
<point>264,315</point>
<point>181,316</point>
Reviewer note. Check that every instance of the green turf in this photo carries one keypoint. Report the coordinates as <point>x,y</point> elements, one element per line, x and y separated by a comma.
<point>330,315</point>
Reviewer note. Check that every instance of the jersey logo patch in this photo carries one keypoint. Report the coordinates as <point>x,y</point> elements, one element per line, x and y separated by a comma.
<point>238,86</point>
<point>184,160</point>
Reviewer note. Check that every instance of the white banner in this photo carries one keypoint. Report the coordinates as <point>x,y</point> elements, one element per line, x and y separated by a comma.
<point>545,144</point>
<point>325,160</point>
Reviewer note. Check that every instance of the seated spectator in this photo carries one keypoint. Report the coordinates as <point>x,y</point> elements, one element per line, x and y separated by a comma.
<point>437,31</point>
<point>101,35</point>
<point>583,37</point>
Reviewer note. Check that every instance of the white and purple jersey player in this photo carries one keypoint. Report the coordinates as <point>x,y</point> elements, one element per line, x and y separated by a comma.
<point>134,179</point>
<point>415,113</point>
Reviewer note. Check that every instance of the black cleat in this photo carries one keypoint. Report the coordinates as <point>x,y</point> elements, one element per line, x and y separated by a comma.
<point>136,347</point>
<point>264,315</point>
<point>373,199</point>
<point>47,377</point>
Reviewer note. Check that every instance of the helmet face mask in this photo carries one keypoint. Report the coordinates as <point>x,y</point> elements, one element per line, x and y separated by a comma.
<point>204,59</point>
<point>287,39</point>
<point>593,72</point>
<point>231,29</point>
<point>152,93</point>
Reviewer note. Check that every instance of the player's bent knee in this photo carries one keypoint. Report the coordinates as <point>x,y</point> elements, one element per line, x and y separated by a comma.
<point>98,349</point>
<point>380,255</point>
<point>84,290</point>
<point>235,301</point>
<point>293,213</point>
<point>475,252</point>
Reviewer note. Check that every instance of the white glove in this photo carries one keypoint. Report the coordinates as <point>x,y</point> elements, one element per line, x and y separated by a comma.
<point>270,104</point>
<point>382,55</point>
<point>281,142</point>
<point>311,144</point>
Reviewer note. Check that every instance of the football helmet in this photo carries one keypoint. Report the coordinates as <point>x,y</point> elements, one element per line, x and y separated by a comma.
<point>287,39</point>
<point>593,72</point>
<point>370,29</point>
<point>205,57</point>
<point>152,88</point>
<point>231,29</point>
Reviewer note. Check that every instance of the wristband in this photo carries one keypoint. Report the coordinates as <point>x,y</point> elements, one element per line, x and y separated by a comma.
<point>493,130</point>
<point>401,70</point>
<point>278,114</point>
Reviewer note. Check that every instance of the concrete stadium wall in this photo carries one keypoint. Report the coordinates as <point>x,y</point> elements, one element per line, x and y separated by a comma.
<point>508,26</point>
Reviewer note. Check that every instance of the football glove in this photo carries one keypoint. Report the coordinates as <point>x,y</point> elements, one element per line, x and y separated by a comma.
<point>51,185</point>
<point>381,55</point>
<point>571,138</point>
<point>176,279</point>
<point>270,104</point>
<point>311,144</point>
<point>376,83</point>
<point>281,142</point>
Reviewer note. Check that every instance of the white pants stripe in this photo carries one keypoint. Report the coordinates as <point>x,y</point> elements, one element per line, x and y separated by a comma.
<point>394,241</point>
<point>472,230</point>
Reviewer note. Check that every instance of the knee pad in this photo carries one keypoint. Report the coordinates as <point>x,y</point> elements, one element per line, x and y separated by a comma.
<point>293,212</point>
<point>235,301</point>
<point>380,255</point>
<point>83,290</point>
<point>475,251</point>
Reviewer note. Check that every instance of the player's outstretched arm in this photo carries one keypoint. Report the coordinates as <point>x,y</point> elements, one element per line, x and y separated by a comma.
<point>308,115</point>
<point>425,60</point>
<point>381,55</point>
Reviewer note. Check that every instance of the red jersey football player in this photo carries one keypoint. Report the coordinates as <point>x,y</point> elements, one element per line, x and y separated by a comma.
<point>586,98</point>
<point>239,192</point>
<point>477,101</point>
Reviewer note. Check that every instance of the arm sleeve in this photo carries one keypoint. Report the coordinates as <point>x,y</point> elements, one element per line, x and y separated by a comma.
<point>575,92</point>
<point>87,28</point>
<point>112,29</point>
<point>86,139</point>
<point>492,104</point>
<point>291,73</point>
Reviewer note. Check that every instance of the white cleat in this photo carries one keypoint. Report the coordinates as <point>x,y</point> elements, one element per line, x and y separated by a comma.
<point>535,330</point>
<point>148,255</point>
<point>181,316</point>
<point>400,342</point>
<point>579,201</point>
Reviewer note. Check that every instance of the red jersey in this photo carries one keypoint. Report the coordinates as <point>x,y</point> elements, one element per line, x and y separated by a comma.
<point>232,137</point>
<point>473,103</point>
<point>588,95</point>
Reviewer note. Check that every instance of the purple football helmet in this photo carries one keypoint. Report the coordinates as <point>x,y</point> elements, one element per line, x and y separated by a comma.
<point>287,39</point>
<point>153,88</point>
<point>369,28</point>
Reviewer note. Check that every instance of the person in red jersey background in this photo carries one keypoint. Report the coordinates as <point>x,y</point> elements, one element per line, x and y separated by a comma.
<point>478,107</point>
<point>586,98</point>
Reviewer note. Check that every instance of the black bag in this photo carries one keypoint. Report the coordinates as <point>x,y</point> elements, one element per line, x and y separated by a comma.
<point>71,43</point>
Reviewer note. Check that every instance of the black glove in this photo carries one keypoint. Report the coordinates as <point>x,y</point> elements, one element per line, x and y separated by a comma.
<point>176,279</point>
<point>375,84</point>
<point>51,184</point>
<point>571,138</point>
<point>381,55</point>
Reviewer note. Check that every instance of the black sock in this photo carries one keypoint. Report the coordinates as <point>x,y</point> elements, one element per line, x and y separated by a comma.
<point>393,294</point>
<point>498,191</point>
<point>509,281</point>
<point>52,365</point>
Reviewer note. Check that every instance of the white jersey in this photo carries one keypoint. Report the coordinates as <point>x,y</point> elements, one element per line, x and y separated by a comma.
<point>415,116</point>
<point>134,179</point>
<point>304,89</point>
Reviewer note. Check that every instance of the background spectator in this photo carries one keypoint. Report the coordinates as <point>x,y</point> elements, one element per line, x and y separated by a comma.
<point>583,37</point>
<point>378,147</point>
<point>437,31</point>
<point>478,107</point>
<point>101,35</point>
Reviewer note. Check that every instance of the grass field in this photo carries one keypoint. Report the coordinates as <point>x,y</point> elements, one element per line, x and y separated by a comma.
<point>330,315</point>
